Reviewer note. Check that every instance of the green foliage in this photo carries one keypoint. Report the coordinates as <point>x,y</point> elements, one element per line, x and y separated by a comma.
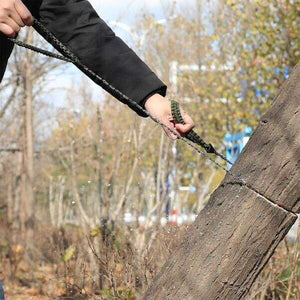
<point>69,253</point>
<point>286,273</point>
<point>95,232</point>
<point>125,294</point>
<point>4,244</point>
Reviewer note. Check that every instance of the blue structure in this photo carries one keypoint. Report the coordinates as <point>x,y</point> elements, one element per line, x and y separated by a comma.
<point>1,292</point>
<point>235,143</point>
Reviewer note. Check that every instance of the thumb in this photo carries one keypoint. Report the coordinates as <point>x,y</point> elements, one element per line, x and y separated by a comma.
<point>184,128</point>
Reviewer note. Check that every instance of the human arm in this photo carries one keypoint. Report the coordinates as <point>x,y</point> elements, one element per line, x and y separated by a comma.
<point>76,24</point>
<point>96,45</point>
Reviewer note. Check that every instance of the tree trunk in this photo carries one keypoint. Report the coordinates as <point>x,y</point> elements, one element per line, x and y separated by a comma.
<point>103,205</point>
<point>235,235</point>
<point>28,153</point>
<point>26,148</point>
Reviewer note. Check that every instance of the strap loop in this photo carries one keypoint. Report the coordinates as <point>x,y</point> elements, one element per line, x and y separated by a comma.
<point>192,135</point>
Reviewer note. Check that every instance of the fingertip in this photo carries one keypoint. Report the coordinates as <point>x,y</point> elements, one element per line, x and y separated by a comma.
<point>28,20</point>
<point>7,30</point>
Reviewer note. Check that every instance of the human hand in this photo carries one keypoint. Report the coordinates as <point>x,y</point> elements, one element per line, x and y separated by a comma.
<point>13,15</point>
<point>160,108</point>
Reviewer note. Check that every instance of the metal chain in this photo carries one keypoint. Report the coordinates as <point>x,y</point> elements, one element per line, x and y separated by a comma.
<point>70,57</point>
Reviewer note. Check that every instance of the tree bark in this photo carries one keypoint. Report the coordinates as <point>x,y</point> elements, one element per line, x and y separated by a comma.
<point>28,147</point>
<point>235,235</point>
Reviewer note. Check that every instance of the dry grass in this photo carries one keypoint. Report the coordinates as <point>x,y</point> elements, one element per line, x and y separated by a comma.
<point>60,266</point>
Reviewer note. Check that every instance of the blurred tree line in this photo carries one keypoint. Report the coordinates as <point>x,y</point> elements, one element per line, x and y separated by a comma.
<point>87,167</point>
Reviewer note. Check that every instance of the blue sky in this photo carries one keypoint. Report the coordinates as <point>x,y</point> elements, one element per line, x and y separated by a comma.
<point>126,10</point>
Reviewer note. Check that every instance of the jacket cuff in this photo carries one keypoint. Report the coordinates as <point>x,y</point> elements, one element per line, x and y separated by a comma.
<point>151,86</point>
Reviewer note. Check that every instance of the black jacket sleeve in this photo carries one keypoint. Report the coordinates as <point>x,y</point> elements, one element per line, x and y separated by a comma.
<point>5,50</point>
<point>76,24</point>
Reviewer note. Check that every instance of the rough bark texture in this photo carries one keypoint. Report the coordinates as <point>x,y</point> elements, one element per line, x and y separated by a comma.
<point>235,235</point>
